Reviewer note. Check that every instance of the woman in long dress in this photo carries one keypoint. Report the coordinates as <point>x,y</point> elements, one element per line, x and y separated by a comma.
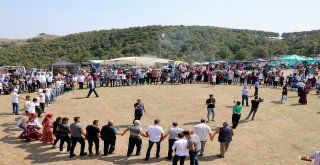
<point>47,133</point>
<point>303,97</point>
<point>32,130</point>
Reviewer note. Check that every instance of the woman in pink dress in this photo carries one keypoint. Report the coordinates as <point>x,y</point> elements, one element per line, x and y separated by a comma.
<point>47,133</point>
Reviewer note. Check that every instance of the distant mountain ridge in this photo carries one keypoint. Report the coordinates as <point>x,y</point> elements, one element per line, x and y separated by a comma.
<point>188,43</point>
<point>5,42</point>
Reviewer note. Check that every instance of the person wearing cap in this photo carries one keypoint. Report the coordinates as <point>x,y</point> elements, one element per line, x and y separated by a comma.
<point>173,136</point>
<point>92,88</point>
<point>225,137</point>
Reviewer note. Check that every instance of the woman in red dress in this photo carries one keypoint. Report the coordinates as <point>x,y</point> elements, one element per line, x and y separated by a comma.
<point>303,96</point>
<point>47,133</point>
<point>33,127</point>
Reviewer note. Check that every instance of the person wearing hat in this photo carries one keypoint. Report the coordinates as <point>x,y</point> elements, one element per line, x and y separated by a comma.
<point>225,137</point>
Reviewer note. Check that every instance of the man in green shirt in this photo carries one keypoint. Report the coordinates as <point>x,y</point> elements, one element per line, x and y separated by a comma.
<point>237,109</point>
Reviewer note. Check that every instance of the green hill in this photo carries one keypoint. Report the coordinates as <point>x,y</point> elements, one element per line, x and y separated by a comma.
<point>189,43</point>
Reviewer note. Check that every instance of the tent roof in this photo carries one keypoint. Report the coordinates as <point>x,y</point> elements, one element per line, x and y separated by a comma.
<point>292,57</point>
<point>259,60</point>
<point>144,61</point>
<point>63,63</point>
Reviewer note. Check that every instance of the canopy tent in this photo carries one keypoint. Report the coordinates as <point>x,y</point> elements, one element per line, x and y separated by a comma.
<point>74,66</point>
<point>293,57</point>
<point>257,60</point>
<point>138,61</point>
<point>64,63</point>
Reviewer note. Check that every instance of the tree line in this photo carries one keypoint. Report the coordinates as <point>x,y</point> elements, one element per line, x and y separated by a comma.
<point>187,43</point>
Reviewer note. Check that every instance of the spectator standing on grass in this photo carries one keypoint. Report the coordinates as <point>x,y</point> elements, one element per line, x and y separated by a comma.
<point>225,138</point>
<point>180,148</point>
<point>236,114</point>
<point>211,104</point>
<point>202,130</point>
<point>15,101</point>
<point>173,136</point>
<point>155,134</point>
<point>93,134</point>
<point>256,88</point>
<point>135,138</point>
<point>245,95</point>
<point>194,147</point>
<point>76,137</point>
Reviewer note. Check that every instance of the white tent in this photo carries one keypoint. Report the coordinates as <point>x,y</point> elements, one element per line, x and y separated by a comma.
<point>138,61</point>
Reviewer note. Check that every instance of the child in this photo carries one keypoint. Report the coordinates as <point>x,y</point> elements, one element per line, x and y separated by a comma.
<point>284,94</point>
<point>42,97</point>
<point>36,101</point>
<point>48,95</point>
<point>26,103</point>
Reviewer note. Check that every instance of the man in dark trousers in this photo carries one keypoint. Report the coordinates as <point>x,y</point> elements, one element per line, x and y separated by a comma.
<point>225,137</point>
<point>109,135</point>
<point>138,110</point>
<point>173,136</point>
<point>255,105</point>
<point>92,88</point>
<point>76,136</point>
<point>93,134</point>
<point>135,138</point>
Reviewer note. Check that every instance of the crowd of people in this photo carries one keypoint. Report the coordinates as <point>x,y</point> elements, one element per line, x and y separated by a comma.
<point>183,142</point>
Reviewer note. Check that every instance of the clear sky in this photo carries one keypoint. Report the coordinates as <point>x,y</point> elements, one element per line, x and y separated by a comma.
<point>28,18</point>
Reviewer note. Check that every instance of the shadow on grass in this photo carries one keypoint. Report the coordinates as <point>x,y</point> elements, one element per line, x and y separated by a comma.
<point>275,102</point>
<point>78,98</point>
<point>296,104</point>
<point>191,123</point>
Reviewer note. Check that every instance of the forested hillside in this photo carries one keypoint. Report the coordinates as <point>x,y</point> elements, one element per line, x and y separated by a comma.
<point>189,43</point>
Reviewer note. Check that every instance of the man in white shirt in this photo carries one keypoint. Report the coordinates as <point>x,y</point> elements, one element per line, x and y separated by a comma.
<point>155,134</point>
<point>81,78</point>
<point>202,130</point>
<point>15,101</point>
<point>49,78</point>
<point>245,95</point>
<point>32,106</point>
<point>43,80</point>
<point>180,147</point>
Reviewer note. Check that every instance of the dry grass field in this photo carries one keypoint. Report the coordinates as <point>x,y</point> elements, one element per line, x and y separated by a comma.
<point>279,134</point>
